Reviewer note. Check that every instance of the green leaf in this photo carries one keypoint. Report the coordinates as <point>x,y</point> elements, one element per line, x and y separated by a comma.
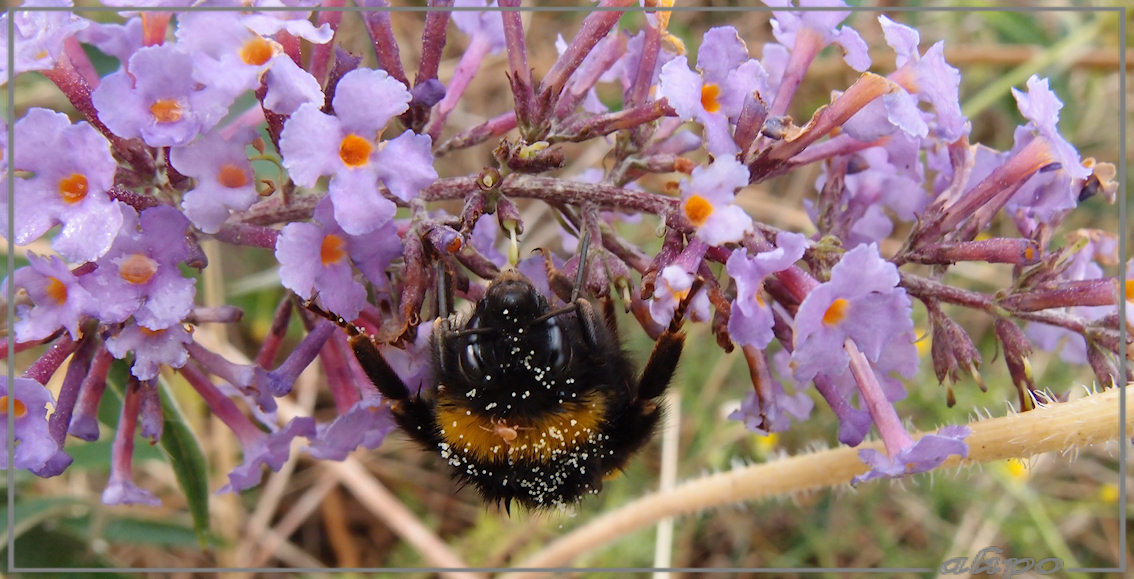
<point>178,444</point>
<point>30,512</point>
<point>135,531</point>
<point>188,461</point>
<point>56,548</point>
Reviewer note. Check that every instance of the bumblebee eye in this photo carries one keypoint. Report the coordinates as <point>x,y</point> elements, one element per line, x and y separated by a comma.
<point>472,366</point>
<point>559,351</point>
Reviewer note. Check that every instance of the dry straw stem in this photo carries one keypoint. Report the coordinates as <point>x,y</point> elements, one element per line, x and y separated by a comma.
<point>1056,427</point>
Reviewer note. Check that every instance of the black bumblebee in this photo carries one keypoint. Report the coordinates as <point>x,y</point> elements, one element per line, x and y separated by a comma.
<point>532,404</point>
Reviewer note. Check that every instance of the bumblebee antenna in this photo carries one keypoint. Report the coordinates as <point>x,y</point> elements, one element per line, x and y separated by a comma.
<point>584,244</point>
<point>442,289</point>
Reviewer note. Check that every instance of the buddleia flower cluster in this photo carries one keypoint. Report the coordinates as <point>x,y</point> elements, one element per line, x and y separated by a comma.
<point>262,130</point>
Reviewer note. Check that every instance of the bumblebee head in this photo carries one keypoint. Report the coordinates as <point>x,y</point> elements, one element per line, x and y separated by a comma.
<point>511,302</point>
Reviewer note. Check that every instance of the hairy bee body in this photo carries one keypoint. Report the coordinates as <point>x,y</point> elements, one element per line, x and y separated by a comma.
<point>532,405</point>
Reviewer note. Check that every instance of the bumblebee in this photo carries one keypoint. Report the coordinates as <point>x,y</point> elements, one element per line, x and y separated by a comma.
<point>533,404</point>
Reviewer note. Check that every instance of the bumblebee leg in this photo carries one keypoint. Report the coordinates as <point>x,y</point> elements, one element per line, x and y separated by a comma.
<point>667,349</point>
<point>366,352</point>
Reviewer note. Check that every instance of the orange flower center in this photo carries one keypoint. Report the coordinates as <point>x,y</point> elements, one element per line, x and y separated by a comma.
<point>1130,290</point>
<point>836,312</point>
<point>232,176</point>
<point>137,269</point>
<point>332,250</point>
<point>698,209</point>
<point>256,51</point>
<point>56,290</point>
<point>18,407</point>
<point>355,150</point>
<point>709,94</point>
<point>73,188</point>
<point>166,111</point>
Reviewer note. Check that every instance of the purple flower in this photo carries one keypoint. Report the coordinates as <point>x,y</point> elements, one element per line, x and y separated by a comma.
<point>139,276</point>
<point>34,445</point>
<point>821,27</point>
<point>347,147</point>
<point>924,455</point>
<point>224,178</point>
<point>863,303</point>
<point>151,348</point>
<point>884,183</point>
<point>929,78</point>
<point>232,54</point>
<point>71,168</point>
<point>120,488</point>
<point>768,410</point>
<point>707,201</point>
<point>1098,247</point>
<point>366,424</point>
<point>39,36</point>
<point>118,40</point>
<point>714,95</point>
<point>1046,193</point>
<point>482,26</point>
<point>317,258</point>
<point>158,99</point>
<point>270,449</point>
<point>750,320</point>
<point>673,285</point>
<point>60,301</point>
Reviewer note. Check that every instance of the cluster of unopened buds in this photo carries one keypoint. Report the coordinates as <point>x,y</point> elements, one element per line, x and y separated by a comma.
<point>159,156</point>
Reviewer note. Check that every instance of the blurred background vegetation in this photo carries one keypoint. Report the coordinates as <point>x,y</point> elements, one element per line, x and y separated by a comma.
<point>314,514</point>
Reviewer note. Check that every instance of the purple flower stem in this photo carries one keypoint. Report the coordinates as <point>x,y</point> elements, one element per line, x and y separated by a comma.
<point>837,146</point>
<point>604,124</point>
<point>219,404</point>
<point>751,120</point>
<point>276,210</point>
<point>272,341</point>
<point>290,44</point>
<point>466,69</point>
<point>433,39</point>
<point>301,357</point>
<point>584,79</point>
<point>520,73</point>
<point>22,346</point>
<point>555,190</point>
<point>894,435</point>
<point>490,129</point>
<point>84,421</point>
<point>774,160</point>
<point>122,449</point>
<point>154,25</point>
<point>134,199</point>
<point>593,29</point>
<point>236,374</point>
<point>807,45</point>
<point>1016,251</point>
<point>71,82</point>
<point>77,370</point>
<point>323,54</point>
<point>1087,292</point>
<point>382,35</point>
<point>340,379</point>
<point>214,315</point>
<point>986,200</point>
<point>80,61</point>
<point>249,235</point>
<point>45,366</point>
<point>639,92</point>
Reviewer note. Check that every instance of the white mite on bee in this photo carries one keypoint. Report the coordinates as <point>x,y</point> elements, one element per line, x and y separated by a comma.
<point>505,431</point>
